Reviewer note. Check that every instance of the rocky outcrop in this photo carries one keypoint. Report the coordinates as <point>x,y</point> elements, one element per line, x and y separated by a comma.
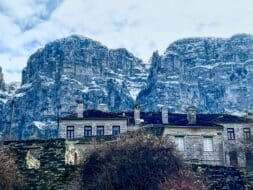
<point>215,75</point>
<point>68,70</point>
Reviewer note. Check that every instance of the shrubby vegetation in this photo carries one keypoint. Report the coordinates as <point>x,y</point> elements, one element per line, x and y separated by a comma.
<point>137,161</point>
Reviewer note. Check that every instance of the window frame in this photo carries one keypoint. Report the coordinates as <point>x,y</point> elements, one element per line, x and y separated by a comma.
<point>205,149</point>
<point>246,135</point>
<point>70,133</point>
<point>113,127</point>
<point>177,146</point>
<point>231,134</point>
<point>103,127</point>
<point>90,130</point>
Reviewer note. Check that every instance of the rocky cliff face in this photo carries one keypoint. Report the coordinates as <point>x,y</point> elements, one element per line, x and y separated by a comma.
<point>215,75</point>
<point>2,85</point>
<point>3,100</point>
<point>67,70</point>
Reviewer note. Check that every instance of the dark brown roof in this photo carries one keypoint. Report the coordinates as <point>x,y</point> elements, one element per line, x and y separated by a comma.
<point>155,118</point>
<point>96,115</point>
<point>178,119</point>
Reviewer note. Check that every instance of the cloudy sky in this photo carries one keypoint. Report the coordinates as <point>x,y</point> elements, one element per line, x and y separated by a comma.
<point>141,26</point>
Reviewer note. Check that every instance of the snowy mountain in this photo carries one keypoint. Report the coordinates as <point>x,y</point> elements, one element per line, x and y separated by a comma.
<point>68,70</point>
<point>215,75</point>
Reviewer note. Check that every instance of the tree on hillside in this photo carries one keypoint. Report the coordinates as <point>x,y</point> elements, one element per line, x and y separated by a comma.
<point>10,177</point>
<point>135,161</point>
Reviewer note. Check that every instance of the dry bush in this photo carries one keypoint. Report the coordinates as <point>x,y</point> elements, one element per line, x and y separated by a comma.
<point>10,177</point>
<point>184,180</point>
<point>136,161</point>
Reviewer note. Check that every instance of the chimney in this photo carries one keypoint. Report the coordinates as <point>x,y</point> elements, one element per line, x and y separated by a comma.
<point>191,115</point>
<point>102,107</point>
<point>165,113</point>
<point>250,115</point>
<point>79,109</point>
<point>137,114</point>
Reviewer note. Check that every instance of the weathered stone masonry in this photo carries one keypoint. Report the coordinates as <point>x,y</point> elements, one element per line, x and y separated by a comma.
<point>50,154</point>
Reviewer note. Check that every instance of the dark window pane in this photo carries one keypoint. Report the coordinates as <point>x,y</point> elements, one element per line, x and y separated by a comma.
<point>249,159</point>
<point>100,130</point>
<point>115,130</point>
<point>233,158</point>
<point>231,134</point>
<point>246,133</point>
<point>87,131</point>
<point>70,132</point>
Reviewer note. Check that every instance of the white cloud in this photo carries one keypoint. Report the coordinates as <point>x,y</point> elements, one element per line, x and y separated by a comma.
<point>141,26</point>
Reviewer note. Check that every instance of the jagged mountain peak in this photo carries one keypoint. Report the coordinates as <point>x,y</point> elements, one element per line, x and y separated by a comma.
<point>71,69</point>
<point>214,74</point>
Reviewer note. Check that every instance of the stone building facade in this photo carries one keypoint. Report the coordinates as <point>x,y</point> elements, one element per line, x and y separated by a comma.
<point>211,139</point>
<point>197,145</point>
<point>90,123</point>
<point>235,136</point>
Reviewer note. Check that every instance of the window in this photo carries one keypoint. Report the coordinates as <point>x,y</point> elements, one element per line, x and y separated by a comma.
<point>115,130</point>
<point>249,159</point>
<point>246,133</point>
<point>179,141</point>
<point>233,158</point>
<point>100,130</point>
<point>70,132</point>
<point>208,144</point>
<point>231,133</point>
<point>87,131</point>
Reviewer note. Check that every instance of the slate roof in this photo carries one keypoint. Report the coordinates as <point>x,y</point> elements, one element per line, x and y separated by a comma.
<point>155,118</point>
<point>176,119</point>
<point>96,115</point>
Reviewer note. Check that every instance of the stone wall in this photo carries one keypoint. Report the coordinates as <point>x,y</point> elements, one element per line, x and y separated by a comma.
<point>79,126</point>
<point>220,177</point>
<point>233,145</point>
<point>41,162</point>
<point>193,144</point>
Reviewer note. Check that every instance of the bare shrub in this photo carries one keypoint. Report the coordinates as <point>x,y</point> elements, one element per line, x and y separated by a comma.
<point>136,161</point>
<point>184,180</point>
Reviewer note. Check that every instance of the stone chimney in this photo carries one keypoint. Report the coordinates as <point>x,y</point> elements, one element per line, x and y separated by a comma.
<point>79,108</point>
<point>165,118</point>
<point>250,115</point>
<point>191,115</point>
<point>103,107</point>
<point>137,114</point>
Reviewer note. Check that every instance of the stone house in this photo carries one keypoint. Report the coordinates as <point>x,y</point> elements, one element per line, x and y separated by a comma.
<point>237,132</point>
<point>90,123</point>
<point>213,139</point>
<point>200,138</point>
